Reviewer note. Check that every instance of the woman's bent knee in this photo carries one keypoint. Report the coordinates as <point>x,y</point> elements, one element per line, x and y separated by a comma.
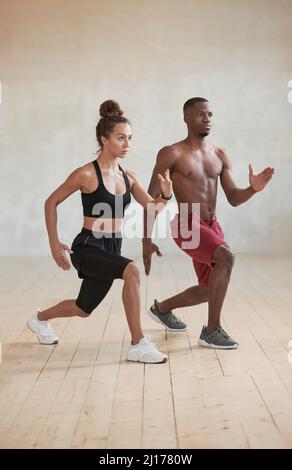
<point>131,272</point>
<point>80,312</point>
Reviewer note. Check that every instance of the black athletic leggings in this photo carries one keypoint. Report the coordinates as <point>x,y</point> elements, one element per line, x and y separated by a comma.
<point>97,258</point>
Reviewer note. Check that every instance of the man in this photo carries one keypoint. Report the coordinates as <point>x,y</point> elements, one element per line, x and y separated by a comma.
<point>195,165</point>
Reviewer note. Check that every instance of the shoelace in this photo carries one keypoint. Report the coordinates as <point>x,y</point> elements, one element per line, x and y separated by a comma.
<point>48,327</point>
<point>149,343</point>
<point>223,332</point>
<point>175,318</point>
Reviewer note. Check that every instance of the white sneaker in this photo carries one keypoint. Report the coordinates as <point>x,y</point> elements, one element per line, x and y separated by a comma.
<point>145,351</point>
<point>43,330</point>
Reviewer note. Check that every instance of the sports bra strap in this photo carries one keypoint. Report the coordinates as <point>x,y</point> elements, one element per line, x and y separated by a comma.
<point>127,182</point>
<point>98,172</point>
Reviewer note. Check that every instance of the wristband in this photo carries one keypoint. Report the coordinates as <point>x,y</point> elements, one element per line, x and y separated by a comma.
<point>165,198</point>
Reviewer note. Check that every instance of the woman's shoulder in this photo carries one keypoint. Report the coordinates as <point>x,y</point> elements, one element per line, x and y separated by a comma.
<point>83,175</point>
<point>130,173</point>
<point>131,176</point>
<point>85,170</point>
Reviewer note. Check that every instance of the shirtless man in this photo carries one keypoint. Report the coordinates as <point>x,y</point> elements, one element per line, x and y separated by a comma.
<point>195,165</point>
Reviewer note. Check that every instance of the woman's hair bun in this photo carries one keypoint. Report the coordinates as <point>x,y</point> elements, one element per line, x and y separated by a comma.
<point>110,108</point>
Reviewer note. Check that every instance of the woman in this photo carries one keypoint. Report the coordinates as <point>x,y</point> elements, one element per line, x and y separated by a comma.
<point>105,192</point>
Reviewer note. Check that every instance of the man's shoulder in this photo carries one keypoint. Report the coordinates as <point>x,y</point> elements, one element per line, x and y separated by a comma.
<point>172,150</point>
<point>221,152</point>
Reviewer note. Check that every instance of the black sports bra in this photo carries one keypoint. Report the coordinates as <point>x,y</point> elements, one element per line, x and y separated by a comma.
<point>102,203</point>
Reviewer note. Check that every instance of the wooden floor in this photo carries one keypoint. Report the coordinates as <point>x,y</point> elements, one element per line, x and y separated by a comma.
<point>83,394</point>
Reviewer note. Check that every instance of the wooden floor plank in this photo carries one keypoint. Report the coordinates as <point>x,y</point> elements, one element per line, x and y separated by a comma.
<point>83,393</point>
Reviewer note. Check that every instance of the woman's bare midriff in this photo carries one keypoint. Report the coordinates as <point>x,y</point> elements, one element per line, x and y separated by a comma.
<point>102,225</point>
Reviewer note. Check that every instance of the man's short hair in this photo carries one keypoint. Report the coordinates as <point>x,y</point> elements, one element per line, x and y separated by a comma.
<point>192,101</point>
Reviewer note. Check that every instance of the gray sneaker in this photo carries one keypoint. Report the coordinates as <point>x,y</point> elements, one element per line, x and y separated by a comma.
<point>167,319</point>
<point>216,339</point>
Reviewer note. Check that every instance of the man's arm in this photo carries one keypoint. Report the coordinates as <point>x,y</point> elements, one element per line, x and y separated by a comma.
<point>165,160</point>
<point>235,195</point>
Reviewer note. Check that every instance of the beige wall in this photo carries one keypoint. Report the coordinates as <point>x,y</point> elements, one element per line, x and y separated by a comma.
<point>60,59</point>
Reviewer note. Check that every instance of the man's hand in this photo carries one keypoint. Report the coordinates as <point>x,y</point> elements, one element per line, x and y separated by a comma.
<point>58,253</point>
<point>148,249</point>
<point>259,182</point>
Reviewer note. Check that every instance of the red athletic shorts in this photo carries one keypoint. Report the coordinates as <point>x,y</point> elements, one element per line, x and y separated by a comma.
<point>198,238</point>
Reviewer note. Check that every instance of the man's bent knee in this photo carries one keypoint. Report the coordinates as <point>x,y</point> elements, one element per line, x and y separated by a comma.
<point>224,256</point>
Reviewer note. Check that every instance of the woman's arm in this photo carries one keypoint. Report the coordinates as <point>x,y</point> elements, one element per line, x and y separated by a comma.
<point>72,184</point>
<point>154,206</point>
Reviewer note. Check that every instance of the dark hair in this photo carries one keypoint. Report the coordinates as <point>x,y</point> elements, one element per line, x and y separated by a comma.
<point>111,114</point>
<point>192,101</point>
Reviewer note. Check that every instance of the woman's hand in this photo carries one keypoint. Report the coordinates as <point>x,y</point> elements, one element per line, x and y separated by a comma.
<point>165,184</point>
<point>58,253</point>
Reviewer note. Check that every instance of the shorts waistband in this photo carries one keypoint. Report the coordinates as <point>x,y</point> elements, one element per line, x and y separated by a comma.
<point>191,214</point>
<point>94,234</point>
<point>182,217</point>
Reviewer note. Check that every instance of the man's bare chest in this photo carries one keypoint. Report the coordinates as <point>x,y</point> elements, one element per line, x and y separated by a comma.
<point>197,167</point>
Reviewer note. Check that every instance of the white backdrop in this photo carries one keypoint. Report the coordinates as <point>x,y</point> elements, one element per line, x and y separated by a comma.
<point>59,60</point>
